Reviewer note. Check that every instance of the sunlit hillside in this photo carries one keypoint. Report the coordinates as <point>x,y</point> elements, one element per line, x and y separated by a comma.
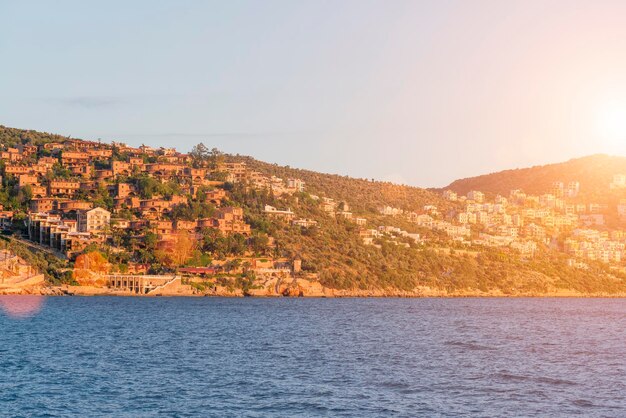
<point>595,174</point>
<point>239,217</point>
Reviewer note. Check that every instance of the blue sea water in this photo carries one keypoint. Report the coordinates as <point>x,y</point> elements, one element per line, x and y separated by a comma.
<point>107,356</point>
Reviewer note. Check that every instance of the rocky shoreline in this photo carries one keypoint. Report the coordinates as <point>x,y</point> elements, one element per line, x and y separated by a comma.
<point>297,290</point>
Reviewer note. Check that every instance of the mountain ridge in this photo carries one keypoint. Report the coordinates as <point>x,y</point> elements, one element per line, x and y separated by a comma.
<point>591,171</point>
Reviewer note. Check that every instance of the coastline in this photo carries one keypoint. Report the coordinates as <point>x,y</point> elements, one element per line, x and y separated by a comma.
<point>91,291</point>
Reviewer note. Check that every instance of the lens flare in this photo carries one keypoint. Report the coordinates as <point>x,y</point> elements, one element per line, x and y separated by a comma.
<point>22,306</point>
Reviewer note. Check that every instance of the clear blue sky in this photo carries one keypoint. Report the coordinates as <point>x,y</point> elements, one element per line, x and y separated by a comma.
<point>411,91</point>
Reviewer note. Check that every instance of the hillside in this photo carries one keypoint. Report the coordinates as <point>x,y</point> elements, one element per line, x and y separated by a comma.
<point>12,137</point>
<point>594,173</point>
<point>362,194</point>
<point>250,225</point>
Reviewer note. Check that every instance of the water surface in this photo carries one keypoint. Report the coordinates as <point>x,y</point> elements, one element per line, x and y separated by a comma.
<point>107,356</point>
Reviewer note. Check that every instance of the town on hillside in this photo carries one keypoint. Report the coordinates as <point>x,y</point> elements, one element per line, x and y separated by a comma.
<point>204,214</point>
<point>556,220</point>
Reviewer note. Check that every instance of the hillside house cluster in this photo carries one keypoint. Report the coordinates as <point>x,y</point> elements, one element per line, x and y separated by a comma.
<point>62,179</point>
<point>525,222</point>
<point>391,234</point>
<point>65,181</point>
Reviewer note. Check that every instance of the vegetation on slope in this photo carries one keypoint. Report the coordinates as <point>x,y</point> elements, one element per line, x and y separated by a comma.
<point>334,250</point>
<point>594,173</point>
<point>363,195</point>
<point>13,137</point>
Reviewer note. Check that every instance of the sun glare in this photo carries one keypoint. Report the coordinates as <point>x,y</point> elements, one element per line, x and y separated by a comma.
<point>612,125</point>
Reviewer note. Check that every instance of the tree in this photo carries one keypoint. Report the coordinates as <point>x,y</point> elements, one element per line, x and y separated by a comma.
<point>179,250</point>
<point>25,194</point>
<point>216,159</point>
<point>150,240</point>
<point>184,246</point>
<point>259,243</point>
<point>199,155</point>
<point>233,264</point>
<point>90,267</point>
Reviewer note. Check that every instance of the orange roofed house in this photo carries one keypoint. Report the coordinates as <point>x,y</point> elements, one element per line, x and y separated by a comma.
<point>63,188</point>
<point>227,220</point>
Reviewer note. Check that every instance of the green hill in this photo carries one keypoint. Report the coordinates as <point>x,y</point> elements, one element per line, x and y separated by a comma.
<point>595,173</point>
<point>363,195</point>
<point>334,250</point>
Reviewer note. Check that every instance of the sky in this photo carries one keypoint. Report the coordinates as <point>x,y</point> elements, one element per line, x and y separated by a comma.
<point>414,92</point>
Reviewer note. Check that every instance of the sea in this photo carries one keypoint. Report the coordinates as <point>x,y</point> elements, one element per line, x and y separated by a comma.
<point>283,357</point>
